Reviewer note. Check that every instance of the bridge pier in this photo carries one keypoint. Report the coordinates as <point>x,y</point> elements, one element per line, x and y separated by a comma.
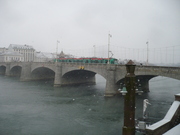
<point>111,86</point>
<point>7,72</point>
<point>145,85</point>
<point>58,75</point>
<point>26,72</point>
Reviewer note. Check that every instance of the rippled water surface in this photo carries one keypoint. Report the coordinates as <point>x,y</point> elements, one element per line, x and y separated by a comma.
<point>37,108</point>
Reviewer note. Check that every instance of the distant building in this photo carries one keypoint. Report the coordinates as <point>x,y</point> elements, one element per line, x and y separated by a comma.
<point>49,57</point>
<point>27,51</point>
<point>63,55</point>
<point>9,56</point>
<point>44,57</point>
<point>3,49</point>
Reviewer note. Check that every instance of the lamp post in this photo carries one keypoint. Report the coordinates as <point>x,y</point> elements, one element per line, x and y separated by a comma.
<point>94,50</point>
<point>109,36</point>
<point>129,100</point>
<point>57,50</point>
<point>147,51</point>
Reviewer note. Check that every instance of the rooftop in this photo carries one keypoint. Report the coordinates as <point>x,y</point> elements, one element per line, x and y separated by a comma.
<point>14,46</point>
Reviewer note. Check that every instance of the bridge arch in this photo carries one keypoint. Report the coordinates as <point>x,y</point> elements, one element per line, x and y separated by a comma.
<point>37,65</point>
<point>15,71</point>
<point>143,80</point>
<point>16,65</point>
<point>79,72</point>
<point>42,73</point>
<point>78,77</point>
<point>95,68</point>
<point>2,64</point>
<point>2,70</point>
<point>173,76</point>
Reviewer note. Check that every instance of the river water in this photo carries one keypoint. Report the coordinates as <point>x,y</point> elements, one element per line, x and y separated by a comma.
<point>37,108</point>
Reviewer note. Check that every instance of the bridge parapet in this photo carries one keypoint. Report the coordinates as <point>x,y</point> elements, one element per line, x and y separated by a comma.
<point>84,64</point>
<point>50,65</point>
<point>172,72</point>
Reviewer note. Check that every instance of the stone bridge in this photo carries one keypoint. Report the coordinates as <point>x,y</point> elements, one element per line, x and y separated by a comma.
<point>84,73</point>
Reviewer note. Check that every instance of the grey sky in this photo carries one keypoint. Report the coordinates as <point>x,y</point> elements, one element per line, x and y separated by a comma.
<point>84,23</point>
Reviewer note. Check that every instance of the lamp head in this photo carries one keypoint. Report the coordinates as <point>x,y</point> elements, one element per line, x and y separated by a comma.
<point>130,67</point>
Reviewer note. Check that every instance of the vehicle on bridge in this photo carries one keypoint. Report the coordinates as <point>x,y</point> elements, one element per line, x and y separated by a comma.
<point>88,60</point>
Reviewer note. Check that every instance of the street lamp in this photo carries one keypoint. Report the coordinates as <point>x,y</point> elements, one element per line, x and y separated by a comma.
<point>109,36</point>
<point>122,90</point>
<point>94,50</point>
<point>138,87</point>
<point>129,89</point>
<point>147,52</point>
<point>57,50</point>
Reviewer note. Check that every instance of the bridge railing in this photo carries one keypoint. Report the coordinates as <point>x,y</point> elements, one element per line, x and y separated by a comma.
<point>160,68</point>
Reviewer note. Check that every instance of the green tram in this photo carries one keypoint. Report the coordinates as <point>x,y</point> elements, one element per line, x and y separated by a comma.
<point>88,60</point>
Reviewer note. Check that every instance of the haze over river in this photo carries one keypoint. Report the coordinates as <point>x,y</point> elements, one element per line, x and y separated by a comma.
<point>37,108</point>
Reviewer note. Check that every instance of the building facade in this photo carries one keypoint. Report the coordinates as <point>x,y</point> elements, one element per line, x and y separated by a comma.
<point>27,51</point>
<point>9,56</point>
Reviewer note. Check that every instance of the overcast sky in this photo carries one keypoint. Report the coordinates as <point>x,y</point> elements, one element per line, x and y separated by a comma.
<point>84,23</point>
